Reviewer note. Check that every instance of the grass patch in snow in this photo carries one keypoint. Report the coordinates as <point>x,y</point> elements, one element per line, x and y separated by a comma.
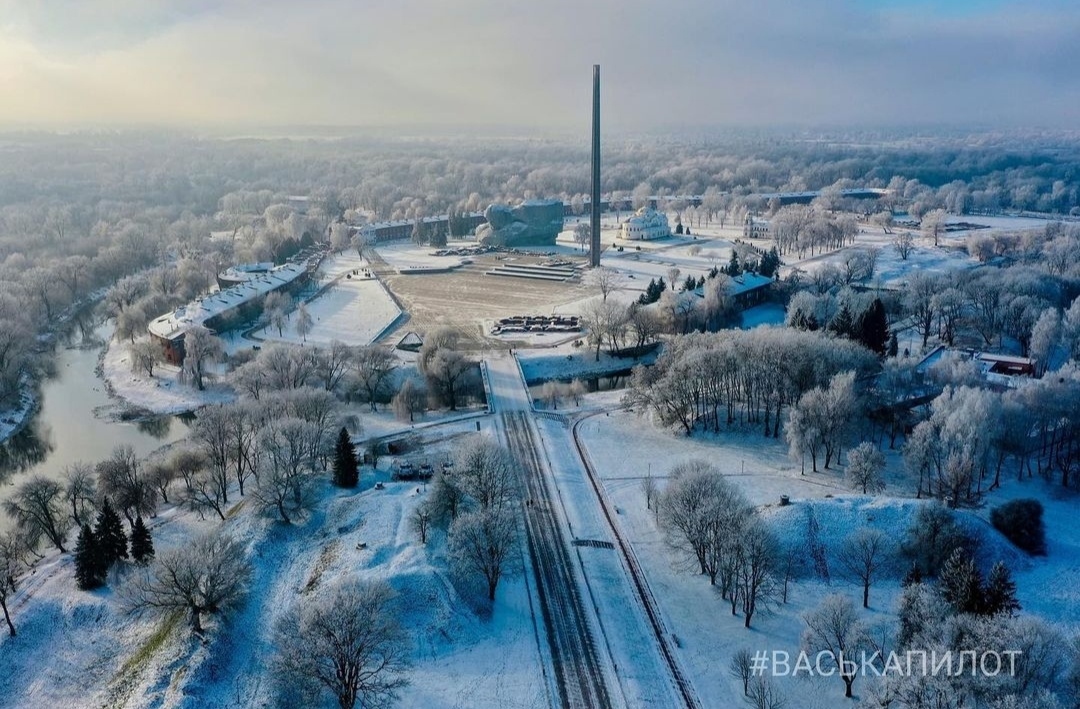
<point>125,680</point>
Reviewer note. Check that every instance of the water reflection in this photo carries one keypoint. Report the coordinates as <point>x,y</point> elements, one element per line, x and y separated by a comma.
<point>23,451</point>
<point>66,429</point>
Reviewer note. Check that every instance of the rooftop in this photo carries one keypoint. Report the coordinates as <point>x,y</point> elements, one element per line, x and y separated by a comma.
<point>185,317</point>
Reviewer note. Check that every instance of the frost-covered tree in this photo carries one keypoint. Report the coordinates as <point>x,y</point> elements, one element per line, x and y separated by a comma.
<point>286,474</point>
<point>834,628</point>
<point>373,368</point>
<point>304,322</point>
<point>207,575</point>
<point>865,463</point>
<point>13,565</point>
<point>864,555</point>
<point>201,348</point>
<point>347,644</point>
<point>485,543</point>
<point>37,508</point>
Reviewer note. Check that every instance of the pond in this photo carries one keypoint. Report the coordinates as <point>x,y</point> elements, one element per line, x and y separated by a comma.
<point>69,426</point>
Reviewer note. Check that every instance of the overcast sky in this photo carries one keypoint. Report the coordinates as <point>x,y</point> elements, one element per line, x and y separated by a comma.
<point>505,62</point>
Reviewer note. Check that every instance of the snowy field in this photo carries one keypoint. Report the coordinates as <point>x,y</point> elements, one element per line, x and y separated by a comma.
<point>161,394</point>
<point>624,450</point>
<point>355,311</point>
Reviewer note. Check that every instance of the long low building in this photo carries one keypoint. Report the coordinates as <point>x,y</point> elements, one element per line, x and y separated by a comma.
<point>221,310</point>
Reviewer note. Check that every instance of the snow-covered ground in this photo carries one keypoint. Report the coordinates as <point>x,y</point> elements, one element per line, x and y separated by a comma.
<point>161,394</point>
<point>625,449</point>
<point>353,310</point>
<point>81,649</point>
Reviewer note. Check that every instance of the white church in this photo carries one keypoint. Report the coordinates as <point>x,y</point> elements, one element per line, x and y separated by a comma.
<point>645,224</point>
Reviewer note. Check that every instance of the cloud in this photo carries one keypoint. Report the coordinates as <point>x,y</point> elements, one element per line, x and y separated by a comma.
<point>386,62</point>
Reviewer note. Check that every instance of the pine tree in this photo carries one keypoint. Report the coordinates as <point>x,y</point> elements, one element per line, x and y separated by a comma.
<point>873,330</point>
<point>109,533</point>
<point>142,545</point>
<point>843,325</point>
<point>894,345</point>
<point>733,268</point>
<point>89,567</point>
<point>346,470</point>
<point>1000,593</point>
<point>714,272</point>
<point>961,584</point>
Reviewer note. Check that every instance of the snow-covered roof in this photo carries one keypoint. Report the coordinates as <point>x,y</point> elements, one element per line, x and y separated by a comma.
<point>743,283</point>
<point>244,271</point>
<point>198,312</point>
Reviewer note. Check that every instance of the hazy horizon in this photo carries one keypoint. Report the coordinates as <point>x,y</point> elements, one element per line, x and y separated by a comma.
<point>215,65</point>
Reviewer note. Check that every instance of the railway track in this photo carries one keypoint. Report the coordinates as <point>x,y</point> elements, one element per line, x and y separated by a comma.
<point>578,672</point>
<point>641,585</point>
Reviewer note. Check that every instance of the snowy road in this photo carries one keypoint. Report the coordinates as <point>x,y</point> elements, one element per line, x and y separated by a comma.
<point>578,669</point>
<point>599,632</point>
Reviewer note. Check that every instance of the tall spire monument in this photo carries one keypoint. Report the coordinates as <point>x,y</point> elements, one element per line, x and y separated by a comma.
<point>594,251</point>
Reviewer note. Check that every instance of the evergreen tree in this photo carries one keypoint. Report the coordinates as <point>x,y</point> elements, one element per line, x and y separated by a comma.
<point>873,329</point>
<point>89,567</point>
<point>679,228</point>
<point>142,545</point>
<point>733,268</point>
<point>346,470</point>
<point>690,284</point>
<point>1000,593</point>
<point>843,325</point>
<point>894,345</point>
<point>961,584</point>
<point>770,262</point>
<point>714,273</point>
<point>660,288</point>
<point>110,537</point>
<point>913,575</point>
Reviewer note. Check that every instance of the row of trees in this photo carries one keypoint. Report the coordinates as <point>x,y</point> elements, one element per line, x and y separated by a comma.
<point>703,381</point>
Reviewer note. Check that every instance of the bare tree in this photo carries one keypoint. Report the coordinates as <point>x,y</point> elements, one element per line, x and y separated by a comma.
<point>12,566</point>
<point>347,643</point>
<point>209,574</point>
<point>332,364</point>
<point>763,695</point>
<point>201,348</point>
<point>420,520</point>
<point>145,355</point>
<point>161,476</point>
<point>187,462</point>
<point>447,374</point>
<point>603,279</point>
<point>756,561</point>
<point>485,542</point>
<point>80,492</point>
<point>864,466</point>
<point>410,400</point>
<point>373,367</point>
<point>285,480</point>
<point>486,473</point>
<point>121,480</point>
<point>213,432</point>
<point>863,555</point>
<point>37,508</point>
<point>834,628</point>
<point>205,493</point>
<point>741,668</point>
<point>648,487</point>
<point>904,243</point>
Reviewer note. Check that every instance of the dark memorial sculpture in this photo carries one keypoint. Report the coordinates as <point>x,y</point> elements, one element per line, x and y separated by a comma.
<point>531,223</point>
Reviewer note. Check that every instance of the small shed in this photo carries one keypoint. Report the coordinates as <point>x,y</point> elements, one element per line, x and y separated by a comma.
<point>411,342</point>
